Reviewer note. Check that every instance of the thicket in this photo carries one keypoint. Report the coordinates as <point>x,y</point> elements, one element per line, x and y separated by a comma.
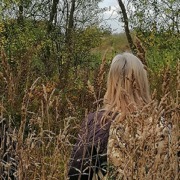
<point>52,74</point>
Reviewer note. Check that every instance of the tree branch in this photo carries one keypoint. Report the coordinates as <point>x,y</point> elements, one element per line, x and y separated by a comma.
<point>126,26</point>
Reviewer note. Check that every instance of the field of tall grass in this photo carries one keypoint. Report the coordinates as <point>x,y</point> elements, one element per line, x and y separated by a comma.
<point>39,124</point>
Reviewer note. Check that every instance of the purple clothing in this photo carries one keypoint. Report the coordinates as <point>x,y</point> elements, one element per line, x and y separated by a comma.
<point>90,151</point>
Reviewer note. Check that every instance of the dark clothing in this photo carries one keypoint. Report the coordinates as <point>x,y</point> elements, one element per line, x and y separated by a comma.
<point>90,151</point>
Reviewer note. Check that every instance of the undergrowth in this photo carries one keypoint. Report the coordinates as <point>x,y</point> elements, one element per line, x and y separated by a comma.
<point>38,128</point>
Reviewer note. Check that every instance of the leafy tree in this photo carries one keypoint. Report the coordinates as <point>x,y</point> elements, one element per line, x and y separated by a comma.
<point>48,39</point>
<point>155,26</point>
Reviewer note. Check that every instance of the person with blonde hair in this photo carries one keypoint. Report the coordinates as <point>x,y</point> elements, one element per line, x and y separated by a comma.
<point>139,137</point>
<point>127,92</point>
<point>127,84</point>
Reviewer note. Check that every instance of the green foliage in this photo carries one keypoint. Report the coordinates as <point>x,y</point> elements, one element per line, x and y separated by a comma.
<point>155,23</point>
<point>47,72</point>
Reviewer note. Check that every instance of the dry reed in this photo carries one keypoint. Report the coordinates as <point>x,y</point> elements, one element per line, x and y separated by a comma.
<point>40,147</point>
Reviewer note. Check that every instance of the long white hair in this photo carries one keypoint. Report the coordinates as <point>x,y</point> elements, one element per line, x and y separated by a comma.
<point>127,84</point>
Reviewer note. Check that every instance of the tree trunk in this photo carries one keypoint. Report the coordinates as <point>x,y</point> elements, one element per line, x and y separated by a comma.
<point>70,22</point>
<point>20,13</point>
<point>69,44</point>
<point>126,26</point>
<point>47,49</point>
<point>52,15</point>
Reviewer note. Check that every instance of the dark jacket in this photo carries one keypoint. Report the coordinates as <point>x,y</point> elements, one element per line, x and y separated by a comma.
<point>89,154</point>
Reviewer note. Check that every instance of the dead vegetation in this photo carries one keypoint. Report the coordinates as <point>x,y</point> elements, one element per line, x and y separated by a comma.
<point>40,145</point>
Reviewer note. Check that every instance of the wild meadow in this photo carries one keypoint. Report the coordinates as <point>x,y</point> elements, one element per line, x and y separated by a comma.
<point>53,74</point>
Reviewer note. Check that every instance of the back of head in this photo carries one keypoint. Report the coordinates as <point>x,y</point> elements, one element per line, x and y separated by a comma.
<point>127,84</point>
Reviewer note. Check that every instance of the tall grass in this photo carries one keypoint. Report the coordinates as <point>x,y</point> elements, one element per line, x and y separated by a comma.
<point>49,121</point>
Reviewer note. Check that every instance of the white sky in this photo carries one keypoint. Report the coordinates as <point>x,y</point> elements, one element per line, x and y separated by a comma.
<point>111,18</point>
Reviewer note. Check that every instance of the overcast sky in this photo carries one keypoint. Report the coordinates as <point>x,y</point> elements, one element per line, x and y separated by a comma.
<point>111,17</point>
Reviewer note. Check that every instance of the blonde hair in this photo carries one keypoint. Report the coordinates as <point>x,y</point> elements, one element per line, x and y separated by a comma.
<point>127,84</point>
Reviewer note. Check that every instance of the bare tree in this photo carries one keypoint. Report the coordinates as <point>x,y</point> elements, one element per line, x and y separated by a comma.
<point>126,26</point>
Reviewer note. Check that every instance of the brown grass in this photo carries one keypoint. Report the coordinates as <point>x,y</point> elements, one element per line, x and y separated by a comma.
<point>45,135</point>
